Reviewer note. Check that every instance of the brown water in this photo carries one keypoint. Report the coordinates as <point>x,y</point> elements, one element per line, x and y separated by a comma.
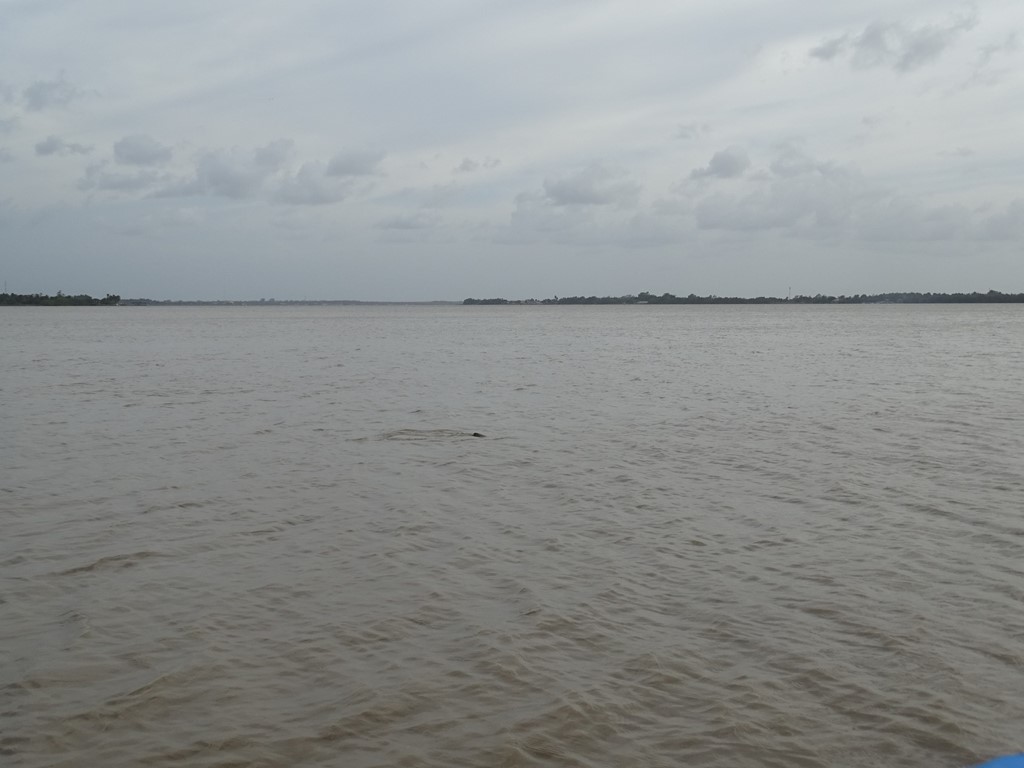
<point>691,536</point>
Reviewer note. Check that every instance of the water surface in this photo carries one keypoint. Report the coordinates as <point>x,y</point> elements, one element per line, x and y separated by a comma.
<point>701,536</point>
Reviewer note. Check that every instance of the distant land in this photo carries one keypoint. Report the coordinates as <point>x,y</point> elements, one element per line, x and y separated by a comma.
<point>59,300</point>
<point>989,297</point>
<point>84,300</point>
<point>280,302</point>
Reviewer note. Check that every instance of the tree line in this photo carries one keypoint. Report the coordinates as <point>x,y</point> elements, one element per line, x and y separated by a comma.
<point>59,300</point>
<point>992,297</point>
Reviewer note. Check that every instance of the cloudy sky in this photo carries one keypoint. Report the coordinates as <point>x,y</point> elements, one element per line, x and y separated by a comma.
<point>410,150</point>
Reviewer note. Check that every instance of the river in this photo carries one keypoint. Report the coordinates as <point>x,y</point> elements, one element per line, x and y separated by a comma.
<point>686,536</point>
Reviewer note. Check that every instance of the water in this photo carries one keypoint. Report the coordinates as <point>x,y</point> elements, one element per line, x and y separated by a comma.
<point>700,536</point>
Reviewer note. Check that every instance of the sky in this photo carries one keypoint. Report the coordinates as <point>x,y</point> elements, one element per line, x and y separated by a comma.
<point>406,151</point>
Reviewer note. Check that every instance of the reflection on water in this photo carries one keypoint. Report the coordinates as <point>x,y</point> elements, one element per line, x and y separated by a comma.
<point>703,536</point>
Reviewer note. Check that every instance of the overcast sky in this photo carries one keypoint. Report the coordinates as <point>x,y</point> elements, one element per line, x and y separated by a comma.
<point>411,150</point>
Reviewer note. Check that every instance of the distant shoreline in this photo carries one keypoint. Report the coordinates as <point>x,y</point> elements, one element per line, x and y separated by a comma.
<point>84,300</point>
<point>990,297</point>
<point>281,303</point>
<point>643,298</point>
<point>60,299</point>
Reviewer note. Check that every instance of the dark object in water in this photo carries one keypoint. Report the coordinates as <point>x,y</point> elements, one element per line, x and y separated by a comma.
<point>428,434</point>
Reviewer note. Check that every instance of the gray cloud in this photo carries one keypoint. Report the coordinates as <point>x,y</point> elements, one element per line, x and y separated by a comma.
<point>469,165</point>
<point>44,94</point>
<point>407,222</point>
<point>830,49</point>
<point>54,145</point>
<point>894,45</point>
<point>692,130</point>
<point>790,161</point>
<point>534,218</point>
<point>780,207</point>
<point>646,230</point>
<point>802,195</point>
<point>355,164</point>
<point>808,198</point>
<point>596,184</point>
<point>5,155</point>
<point>958,152</point>
<point>1008,224</point>
<point>97,177</point>
<point>311,186</point>
<point>219,173</point>
<point>274,155</point>
<point>726,164</point>
<point>457,90</point>
<point>985,70</point>
<point>590,206</point>
<point>261,173</point>
<point>139,149</point>
<point>894,218</point>
<point>1009,44</point>
<point>442,195</point>
<point>233,174</point>
<point>448,195</point>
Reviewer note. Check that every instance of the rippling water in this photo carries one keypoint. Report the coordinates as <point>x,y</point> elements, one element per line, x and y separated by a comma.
<point>700,536</point>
